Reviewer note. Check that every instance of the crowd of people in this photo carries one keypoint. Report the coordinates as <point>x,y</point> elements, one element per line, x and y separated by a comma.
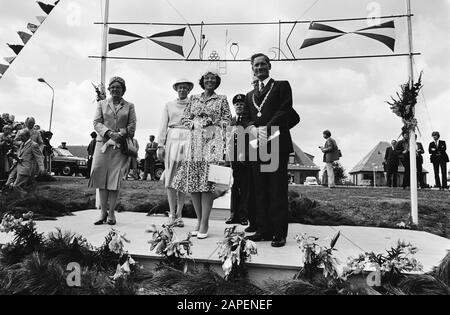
<point>24,151</point>
<point>197,131</point>
<point>400,152</point>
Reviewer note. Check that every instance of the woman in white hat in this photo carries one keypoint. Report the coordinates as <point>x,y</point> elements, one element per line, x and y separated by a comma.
<point>173,143</point>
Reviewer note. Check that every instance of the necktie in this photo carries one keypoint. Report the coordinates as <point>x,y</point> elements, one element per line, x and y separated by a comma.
<point>239,119</point>
<point>261,86</point>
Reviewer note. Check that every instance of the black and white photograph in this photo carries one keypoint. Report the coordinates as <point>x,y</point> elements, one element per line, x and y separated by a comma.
<point>224,154</point>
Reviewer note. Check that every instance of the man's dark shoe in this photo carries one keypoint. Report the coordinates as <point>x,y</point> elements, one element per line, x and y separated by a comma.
<point>231,221</point>
<point>258,237</point>
<point>244,222</point>
<point>278,242</point>
<point>250,229</point>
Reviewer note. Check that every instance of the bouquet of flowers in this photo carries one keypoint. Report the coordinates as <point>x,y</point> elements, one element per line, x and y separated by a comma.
<point>167,244</point>
<point>234,251</point>
<point>117,246</point>
<point>398,260</point>
<point>316,256</point>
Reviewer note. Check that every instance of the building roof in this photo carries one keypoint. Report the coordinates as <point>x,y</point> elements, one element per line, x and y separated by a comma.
<point>302,161</point>
<point>78,150</point>
<point>375,159</point>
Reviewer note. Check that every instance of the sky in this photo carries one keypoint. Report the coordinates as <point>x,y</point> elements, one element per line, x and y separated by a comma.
<point>345,96</point>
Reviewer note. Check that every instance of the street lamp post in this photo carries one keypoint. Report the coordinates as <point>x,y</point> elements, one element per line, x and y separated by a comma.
<point>51,117</point>
<point>375,167</point>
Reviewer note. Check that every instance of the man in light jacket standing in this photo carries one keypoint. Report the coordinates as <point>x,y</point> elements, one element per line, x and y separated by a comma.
<point>330,154</point>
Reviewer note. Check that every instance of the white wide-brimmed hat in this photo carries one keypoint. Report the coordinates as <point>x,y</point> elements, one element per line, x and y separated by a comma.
<point>179,81</point>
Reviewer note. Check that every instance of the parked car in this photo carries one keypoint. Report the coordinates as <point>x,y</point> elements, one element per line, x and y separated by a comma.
<point>311,181</point>
<point>65,163</point>
<point>159,167</point>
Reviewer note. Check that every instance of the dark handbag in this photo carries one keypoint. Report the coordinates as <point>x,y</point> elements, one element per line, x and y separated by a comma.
<point>128,148</point>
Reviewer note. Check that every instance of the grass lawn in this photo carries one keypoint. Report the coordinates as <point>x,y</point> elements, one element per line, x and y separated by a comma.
<point>383,207</point>
<point>380,207</point>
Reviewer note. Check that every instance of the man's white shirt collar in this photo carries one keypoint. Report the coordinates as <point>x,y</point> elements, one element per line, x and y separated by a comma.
<point>266,81</point>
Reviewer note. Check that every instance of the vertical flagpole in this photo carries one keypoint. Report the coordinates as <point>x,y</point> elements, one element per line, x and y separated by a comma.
<point>105,42</point>
<point>412,135</point>
<point>103,71</point>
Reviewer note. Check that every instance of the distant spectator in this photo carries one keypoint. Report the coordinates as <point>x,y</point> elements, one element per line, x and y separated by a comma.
<point>63,146</point>
<point>419,163</point>
<point>150,158</point>
<point>391,163</point>
<point>330,155</point>
<point>29,156</point>
<point>48,149</point>
<point>403,148</point>
<point>6,144</point>
<point>35,135</point>
<point>439,158</point>
<point>91,150</point>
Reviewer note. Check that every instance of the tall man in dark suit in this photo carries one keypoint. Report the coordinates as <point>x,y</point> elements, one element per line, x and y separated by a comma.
<point>391,161</point>
<point>91,150</point>
<point>439,158</point>
<point>268,108</point>
<point>240,191</point>
<point>150,158</point>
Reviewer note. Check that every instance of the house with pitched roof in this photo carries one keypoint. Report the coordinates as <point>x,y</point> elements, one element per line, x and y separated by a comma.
<point>301,165</point>
<point>371,166</point>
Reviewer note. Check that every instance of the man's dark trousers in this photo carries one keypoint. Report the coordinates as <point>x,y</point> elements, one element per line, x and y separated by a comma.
<point>271,196</point>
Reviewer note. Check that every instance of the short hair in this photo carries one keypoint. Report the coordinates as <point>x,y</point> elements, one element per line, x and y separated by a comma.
<point>7,127</point>
<point>202,79</point>
<point>93,134</point>
<point>119,80</point>
<point>25,132</point>
<point>327,133</point>
<point>152,136</point>
<point>29,119</point>
<point>267,59</point>
<point>436,133</point>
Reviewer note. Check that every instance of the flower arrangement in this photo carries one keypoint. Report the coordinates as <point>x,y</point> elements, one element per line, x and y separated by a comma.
<point>167,244</point>
<point>117,245</point>
<point>100,92</point>
<point>404,105</point>
<point>398,260</point>
<point>316,257</point>
<point>234,251</point>
<point>26,238</point>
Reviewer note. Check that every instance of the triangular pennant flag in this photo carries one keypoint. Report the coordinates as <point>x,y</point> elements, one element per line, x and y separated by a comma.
<point>384,33</point>
<point>47,8</point>
<point>32,27</point>
<point>3,69</point>
<point>56,3</point>
<point>25,37</point>
<point>319,33</point>
<point>9,59</point>
<point>41,19</point>
<point>119,38</point>
<point>16,48</point>
<point>172,40</point>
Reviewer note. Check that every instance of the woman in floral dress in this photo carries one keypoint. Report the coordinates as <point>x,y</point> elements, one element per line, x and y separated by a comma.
<point>207,115</point>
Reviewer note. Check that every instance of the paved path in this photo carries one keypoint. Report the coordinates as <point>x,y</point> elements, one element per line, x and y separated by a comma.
<point>354,240</point>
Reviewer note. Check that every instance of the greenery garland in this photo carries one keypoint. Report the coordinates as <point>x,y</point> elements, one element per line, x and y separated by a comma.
<point>403,106</point>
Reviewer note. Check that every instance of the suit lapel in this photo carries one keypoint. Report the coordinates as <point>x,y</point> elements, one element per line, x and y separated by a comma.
<point>267,87</point>
<point>23,147</point>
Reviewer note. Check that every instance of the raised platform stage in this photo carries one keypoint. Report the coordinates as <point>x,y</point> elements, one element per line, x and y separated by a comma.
<point>275,263</point>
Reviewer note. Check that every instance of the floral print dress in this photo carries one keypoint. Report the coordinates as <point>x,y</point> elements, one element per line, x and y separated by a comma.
<point>207,118</point>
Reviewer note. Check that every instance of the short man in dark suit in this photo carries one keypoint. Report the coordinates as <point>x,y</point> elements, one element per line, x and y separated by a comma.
<point>439,158</point>
<point>150,158</point>
<point>391,162</point>
<point>268,108</point>
<point>419,163</point>
<point>403,149</point>
<point>240,191</point>
<point>91,150</point>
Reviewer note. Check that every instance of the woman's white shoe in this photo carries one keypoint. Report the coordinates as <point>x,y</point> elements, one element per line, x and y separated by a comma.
<point>202,235</point>
<point>194,233</point>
